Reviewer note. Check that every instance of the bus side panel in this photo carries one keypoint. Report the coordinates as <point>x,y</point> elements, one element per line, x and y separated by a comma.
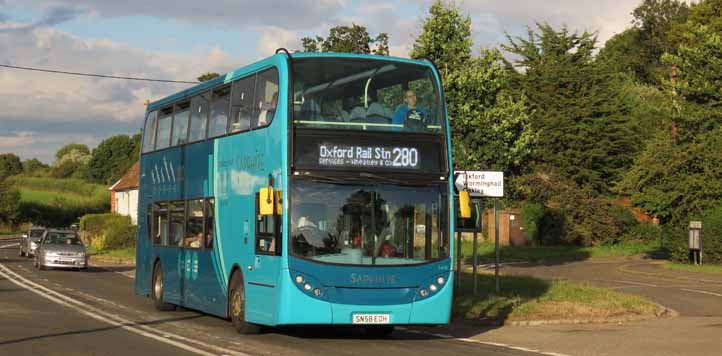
<point>142,242</point>
<point>203,287</point>
<point>243,164</point>
<point>161,181</point>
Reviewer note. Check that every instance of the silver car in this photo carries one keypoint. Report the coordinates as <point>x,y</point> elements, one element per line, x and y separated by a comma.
<point>61,249</point>
<point>30,241</point>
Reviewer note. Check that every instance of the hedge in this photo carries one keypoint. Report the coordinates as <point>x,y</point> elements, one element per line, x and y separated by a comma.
<point>108,231</point>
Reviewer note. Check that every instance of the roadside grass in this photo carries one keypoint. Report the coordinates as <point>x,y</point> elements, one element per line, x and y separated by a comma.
<point>58,202</point>
<point>555,253</point>
<point>528,298</point>
<point>124,253</point>
<point>711,269</point>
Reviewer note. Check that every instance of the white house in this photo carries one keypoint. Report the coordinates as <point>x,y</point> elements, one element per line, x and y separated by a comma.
<point>124,194</point>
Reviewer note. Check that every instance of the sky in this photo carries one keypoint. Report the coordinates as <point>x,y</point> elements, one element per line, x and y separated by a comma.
<point>181,39</point>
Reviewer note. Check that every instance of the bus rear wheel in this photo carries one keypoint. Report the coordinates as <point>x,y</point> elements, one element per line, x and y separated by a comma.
<point>237,306</point>
<point>156,293</point>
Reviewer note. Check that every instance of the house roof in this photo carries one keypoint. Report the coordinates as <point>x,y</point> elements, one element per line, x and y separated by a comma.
<point>129,180</point>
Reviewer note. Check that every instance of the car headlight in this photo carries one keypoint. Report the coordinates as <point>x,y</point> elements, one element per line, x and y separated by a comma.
<point>33,245</point>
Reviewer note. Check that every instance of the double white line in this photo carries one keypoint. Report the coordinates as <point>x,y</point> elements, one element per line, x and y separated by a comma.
<point>112,319</point>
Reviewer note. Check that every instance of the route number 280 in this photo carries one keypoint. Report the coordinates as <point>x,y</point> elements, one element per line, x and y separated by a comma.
<point>405,157</point>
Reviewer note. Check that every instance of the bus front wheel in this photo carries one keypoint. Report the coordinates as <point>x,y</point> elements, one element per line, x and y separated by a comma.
<point>237,306</point>
<point>156,292</point>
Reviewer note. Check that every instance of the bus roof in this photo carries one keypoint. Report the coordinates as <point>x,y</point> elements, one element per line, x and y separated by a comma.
<point>239,72</point>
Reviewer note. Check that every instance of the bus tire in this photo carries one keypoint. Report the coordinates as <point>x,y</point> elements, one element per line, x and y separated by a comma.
<point>379,332</point>
<point>156,290</point>
<point>237,306</point>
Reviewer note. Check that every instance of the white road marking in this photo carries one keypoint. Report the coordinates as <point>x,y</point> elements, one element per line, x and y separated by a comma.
<point>474,341</point>
<point>110,318</point>
<point>702,292</point>
<point>636,283</point>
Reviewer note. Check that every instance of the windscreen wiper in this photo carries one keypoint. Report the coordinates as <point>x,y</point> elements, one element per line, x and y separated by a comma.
<point>318,177</point>
<point>386,179</point>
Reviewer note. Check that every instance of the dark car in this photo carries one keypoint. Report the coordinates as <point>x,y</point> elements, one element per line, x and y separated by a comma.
<point>61,249</point>
<point>30,241</point>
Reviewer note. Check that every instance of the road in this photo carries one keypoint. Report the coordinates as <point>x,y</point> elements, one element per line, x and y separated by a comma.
<point>96,313</point>
<point>696,297</point>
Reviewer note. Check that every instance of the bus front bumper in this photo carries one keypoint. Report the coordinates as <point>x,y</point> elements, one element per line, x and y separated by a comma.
<point>303,309</point>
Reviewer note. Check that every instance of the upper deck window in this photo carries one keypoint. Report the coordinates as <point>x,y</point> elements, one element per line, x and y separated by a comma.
<point>336,93</point>
<point>149,132</point>
<point>266,99</point>
<point>200,105</point>
<point>165,123</point>
<point>218,123</point>
<point>180,124</point>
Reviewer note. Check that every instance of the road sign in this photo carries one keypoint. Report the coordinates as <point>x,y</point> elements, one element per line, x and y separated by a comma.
<point>695,225</point>
<point>480,183</point>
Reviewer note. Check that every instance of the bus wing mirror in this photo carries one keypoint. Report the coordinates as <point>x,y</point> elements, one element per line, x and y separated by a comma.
<point>464,205</point>
<point>265,201</point>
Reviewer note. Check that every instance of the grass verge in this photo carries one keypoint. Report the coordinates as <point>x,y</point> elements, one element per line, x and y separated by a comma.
<point>124,253</point>
<point>551,253</point>
<point>711,269</point>
<point>529,298</point>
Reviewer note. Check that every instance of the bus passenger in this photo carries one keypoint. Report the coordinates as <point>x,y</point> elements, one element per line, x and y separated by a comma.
<point>409,115</point>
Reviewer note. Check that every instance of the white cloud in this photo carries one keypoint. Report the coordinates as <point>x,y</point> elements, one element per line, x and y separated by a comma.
<point>273,37</point>
<point>51,97</point>
<point>11,140</point>
<point>238,13</point>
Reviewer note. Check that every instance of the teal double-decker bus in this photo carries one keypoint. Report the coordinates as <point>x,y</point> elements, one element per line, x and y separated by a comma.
<point>305,188</point>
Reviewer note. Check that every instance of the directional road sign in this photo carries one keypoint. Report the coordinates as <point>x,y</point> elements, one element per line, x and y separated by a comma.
<point>480,183</point>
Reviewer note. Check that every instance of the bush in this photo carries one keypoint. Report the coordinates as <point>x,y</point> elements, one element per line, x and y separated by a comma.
<point>576,215</point>
<point>676,238</point>
<point>108,231</point>
<point>643,232</point>
<point>531,217</point>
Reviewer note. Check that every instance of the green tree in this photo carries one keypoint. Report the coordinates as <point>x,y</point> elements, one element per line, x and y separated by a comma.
<point>112,158</point>
<point>579,111</point>
<point>9,203</point>
<point>347,39</point>
<point>9,165</point>
<point>490,126</point>
<point>639,48</point>
<point>34,166</point>
<point>72,147</point>
<point>674,180</point>
<point>208,76</point>
<point>445,38</point>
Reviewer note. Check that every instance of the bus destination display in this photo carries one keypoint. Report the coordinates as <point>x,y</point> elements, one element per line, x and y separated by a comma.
<point>330,155</point>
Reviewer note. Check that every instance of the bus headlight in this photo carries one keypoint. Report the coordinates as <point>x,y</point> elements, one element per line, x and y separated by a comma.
<point>307,287</point>
<point>440,280</point>
<point>433,288</point>
<point>299,279</point>
<point>317,292</point>
<point>424,293</point>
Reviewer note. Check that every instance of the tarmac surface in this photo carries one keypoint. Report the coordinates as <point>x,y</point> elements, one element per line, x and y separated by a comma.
<point>97,313</point>
<point>58,312</point>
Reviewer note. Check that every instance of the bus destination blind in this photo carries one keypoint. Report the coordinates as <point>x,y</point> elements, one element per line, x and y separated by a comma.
<point>365,156</point>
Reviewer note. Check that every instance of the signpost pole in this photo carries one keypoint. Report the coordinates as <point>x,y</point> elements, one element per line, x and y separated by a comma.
<point>474,253</point>
<point>496,245</point>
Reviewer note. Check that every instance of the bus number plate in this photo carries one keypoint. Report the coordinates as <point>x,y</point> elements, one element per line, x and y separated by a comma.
<point>371,319</point>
